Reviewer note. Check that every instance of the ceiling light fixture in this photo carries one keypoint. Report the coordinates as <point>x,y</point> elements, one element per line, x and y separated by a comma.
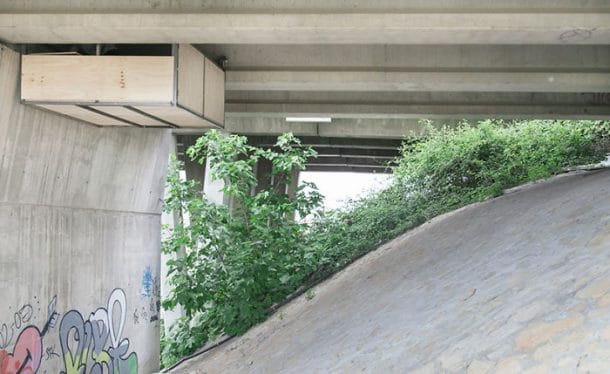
<point>309,119</point>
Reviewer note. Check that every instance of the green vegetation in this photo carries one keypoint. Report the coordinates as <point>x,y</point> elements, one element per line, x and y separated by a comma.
<point>234,267</point>
<point>231,266</point>
<point>448,169</point>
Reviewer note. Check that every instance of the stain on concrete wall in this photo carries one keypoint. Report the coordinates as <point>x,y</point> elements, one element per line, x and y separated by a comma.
<point>80,210</point>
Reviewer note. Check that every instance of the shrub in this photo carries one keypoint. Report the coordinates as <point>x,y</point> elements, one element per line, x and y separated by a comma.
<point>231,266</point>
<point>236,265</point>
<point>450,168</point>
<point>453,167</point>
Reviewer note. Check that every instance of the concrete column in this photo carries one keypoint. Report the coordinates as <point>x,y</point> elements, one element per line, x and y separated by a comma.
<point>263,174</point>
<point>265,180</point>
<point>212,188</point>
<point>169,220</point>
<point>80,215</point>
<point>193,170</point>
<point>291,189</point>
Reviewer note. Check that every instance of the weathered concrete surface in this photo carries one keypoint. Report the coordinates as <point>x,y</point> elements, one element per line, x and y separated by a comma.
<point>518,284</point>
<point>415,81</point>
<point>363,59</point>
<point>304,21</point>
<point>79,230</point>
<point>339,127</point>
<point>384,81</point>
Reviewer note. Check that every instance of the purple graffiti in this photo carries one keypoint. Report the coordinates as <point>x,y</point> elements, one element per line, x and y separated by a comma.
<point>89,346</point>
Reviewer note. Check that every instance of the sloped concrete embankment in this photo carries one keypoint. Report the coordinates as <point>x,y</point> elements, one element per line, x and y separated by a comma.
<point>520,283</point>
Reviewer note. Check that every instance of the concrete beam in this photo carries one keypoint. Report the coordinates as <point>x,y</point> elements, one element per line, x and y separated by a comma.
<point>84,22</point>
<point>441,112</point>
<point>304,6</point>
<point>339,127</point>
<point>340,80</point>
<point>390,81</point>
<point>350,169</point>
<point>379,154</point>
<point>414,58</point>
<point>351,161</point>
<point>320,142</point>
<point>439,105</point>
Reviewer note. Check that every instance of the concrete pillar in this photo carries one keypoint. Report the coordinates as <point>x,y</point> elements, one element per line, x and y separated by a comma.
<point>291,189</point>
<point>294,182</point>
<point>169,220</point>
<point>212,188</point>
<point>263,175</point>
<point>80,214</point>
<point>193,170</point>
<point>265,180</point>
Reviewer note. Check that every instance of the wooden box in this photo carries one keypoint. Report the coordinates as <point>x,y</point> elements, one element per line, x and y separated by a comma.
<point>184,90</point>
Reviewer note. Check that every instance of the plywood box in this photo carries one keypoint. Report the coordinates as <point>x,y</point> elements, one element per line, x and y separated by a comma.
<point>182,90</point>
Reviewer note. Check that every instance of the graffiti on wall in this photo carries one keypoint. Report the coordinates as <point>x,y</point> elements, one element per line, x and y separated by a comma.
<point>148,283</point>
<point>27,351</point>
<point>95,345</point>
<point>150,291</point>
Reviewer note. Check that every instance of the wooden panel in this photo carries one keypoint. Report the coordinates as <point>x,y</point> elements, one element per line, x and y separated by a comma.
<point>142,79</point>
<point>130,115</point>
<point>190,78</point>
<point>84,115</point>
<point>214,92</point>
<point>178,116</point>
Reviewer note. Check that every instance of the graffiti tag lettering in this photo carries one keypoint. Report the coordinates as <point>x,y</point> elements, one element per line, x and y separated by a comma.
<point>147,283</point>
<point>27,353</point>
<point>89,346</point>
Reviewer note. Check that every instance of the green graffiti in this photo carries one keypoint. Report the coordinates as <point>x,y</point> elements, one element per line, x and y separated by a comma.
<point>73,366</point>
<point>99,346</point>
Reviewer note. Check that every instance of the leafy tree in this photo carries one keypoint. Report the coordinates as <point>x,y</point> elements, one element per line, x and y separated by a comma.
<point>230,266</point>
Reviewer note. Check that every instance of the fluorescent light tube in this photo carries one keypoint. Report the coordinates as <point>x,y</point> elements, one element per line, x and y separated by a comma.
<point>308,119</point>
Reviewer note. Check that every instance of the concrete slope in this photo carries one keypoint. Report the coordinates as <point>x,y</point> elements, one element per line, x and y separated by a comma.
<point>516,284</point>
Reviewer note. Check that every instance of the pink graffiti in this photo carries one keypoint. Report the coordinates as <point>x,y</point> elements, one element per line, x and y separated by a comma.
<point>27,352</point>
<point>26,355</point>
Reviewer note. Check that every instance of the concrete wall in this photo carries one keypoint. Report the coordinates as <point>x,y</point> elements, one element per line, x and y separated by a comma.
<point>79,240</point>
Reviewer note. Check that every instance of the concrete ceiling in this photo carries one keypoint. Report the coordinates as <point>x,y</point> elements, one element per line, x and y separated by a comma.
<point>376,67</point>
<point>400,59</point>
<point>306,21</point>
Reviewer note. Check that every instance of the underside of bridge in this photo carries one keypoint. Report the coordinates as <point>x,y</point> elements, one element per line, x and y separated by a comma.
<point>374,68</point>
<point>364,72</point>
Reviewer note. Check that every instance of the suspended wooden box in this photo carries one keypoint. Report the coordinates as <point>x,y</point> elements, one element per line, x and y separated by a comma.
<point>182,90</point>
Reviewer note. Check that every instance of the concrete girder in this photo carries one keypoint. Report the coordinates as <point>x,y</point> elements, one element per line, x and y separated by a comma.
<point>439,105</point>
<point>417,81</point>
<point>414,58</point>
<point>335,142</point>
<point>349,168</point>
<point>340,80</point>
<point>421,98</point>
<point>339,127</point>
<point>38,24</point>
<point>379,154</point>
<point>304,6</point>
<point>439,111</point>
<point>351,161</point>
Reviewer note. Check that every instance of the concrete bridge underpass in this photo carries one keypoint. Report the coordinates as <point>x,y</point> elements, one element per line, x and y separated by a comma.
<point>94,96</point>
